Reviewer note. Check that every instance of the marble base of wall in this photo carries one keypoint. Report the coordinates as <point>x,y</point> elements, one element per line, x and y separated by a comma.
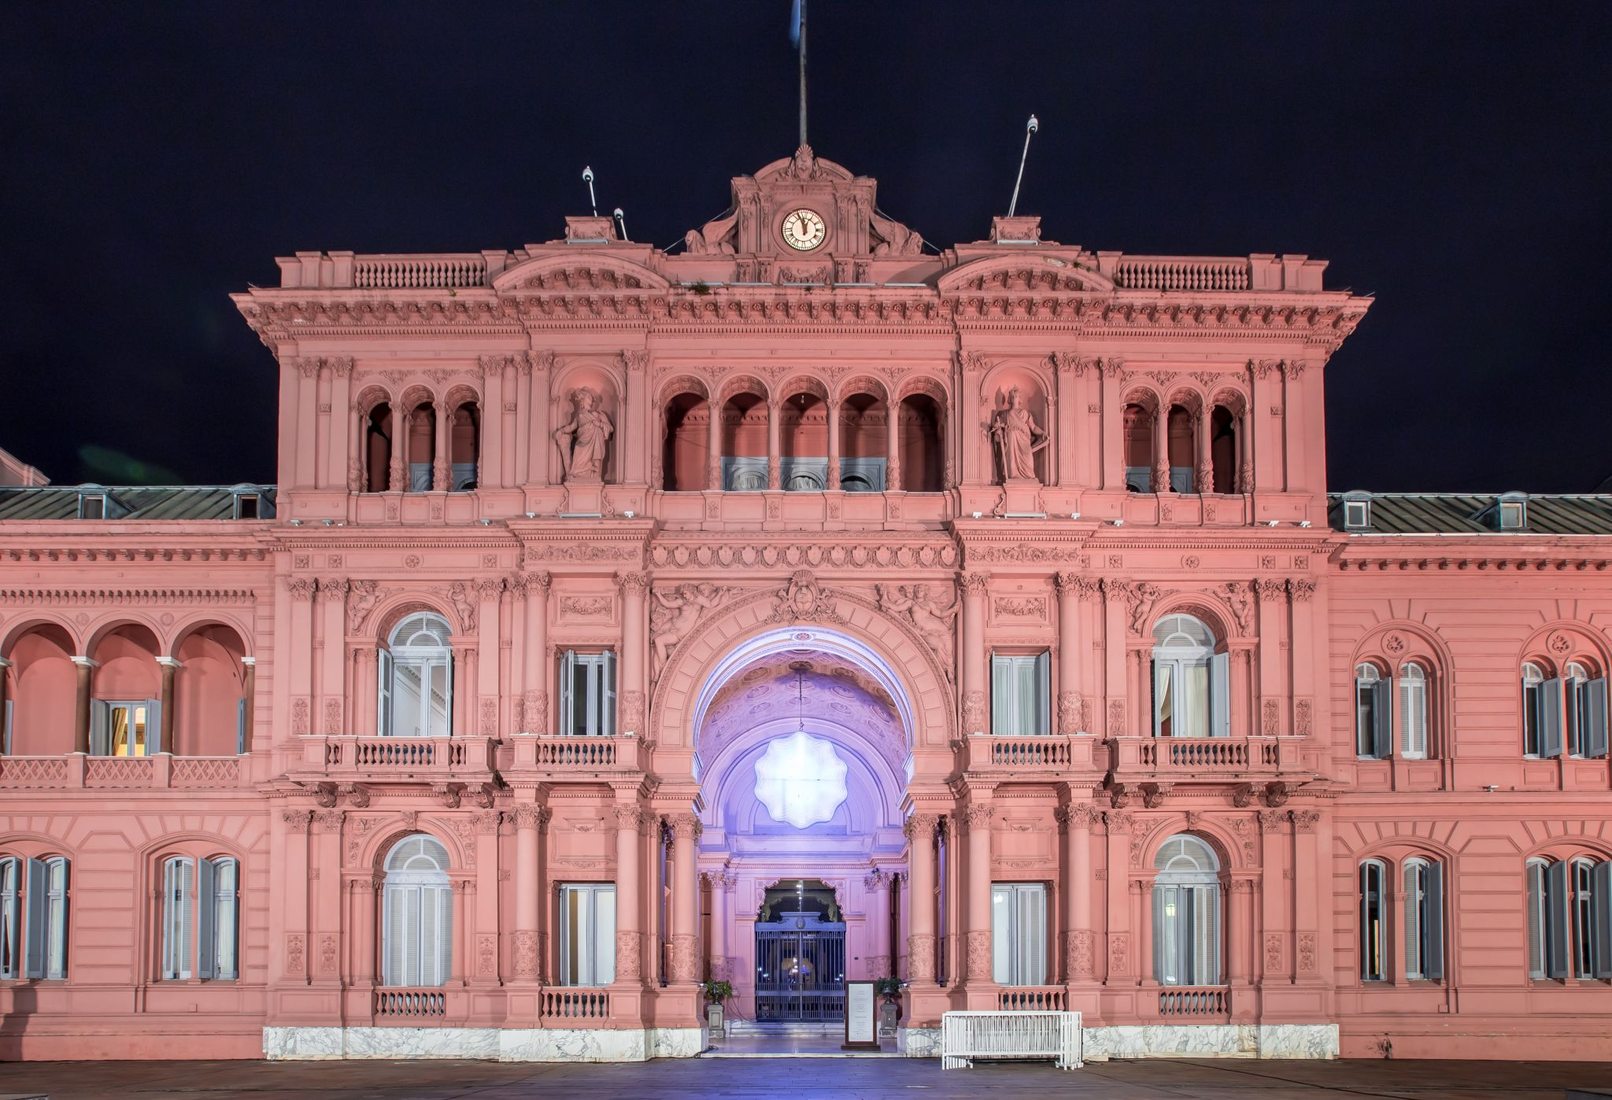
<point>490,1043</point>
<point>918,1042</point>
<point>1211,1041</point>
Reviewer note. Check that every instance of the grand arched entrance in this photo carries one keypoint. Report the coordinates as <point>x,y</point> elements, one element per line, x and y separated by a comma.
<point>802,741</point>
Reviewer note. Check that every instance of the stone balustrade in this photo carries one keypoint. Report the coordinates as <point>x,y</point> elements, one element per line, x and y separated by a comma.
<point>162,771</point>
<point>1203,757</point>
<point>1033,998</point>
<point>1194,1001</point>
<point>1041,755</point>
<point>411,1003</point>
<point>404,758</point>
<point>561,754</point>
<point>575,1004</point>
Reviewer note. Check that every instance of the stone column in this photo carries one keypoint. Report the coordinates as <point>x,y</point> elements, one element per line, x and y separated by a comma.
<point>834,448</point>
<point>292,895</point>
<point>892,447</point>
<point>357,434</point>
<point>1079,960</point>
<point>540,450</point>
<point>629,945</point>
<point>721,883</point>
<point>1273,893</point>
<point>685,899</point>
<point>1143,912</point>
<point>496,453</point>
<point>484,719</point>
<point>397,469</point>
<point>1206,466</point>
<point>85,670</point>
<point>169,667</point>
<point>439,463</point>
<point>975,586</point>
<point>249,693</point>
<point>1121,958</point>
<point>1069,652</point>
<point>521,387</point>
<point>534,656</point>
<point>920,830</point>
<point>876,887</point>
<point>1239,927</point>
<point>713,445</point>
<point>5,667</point>
<point>1161,450</point>
<point>774,444</point>
<point>342,428</point>
<point>528,944</point>
<point>1308,881</point>
<point>332,687</point>
<point>977,964</point>
<point>630,697</point>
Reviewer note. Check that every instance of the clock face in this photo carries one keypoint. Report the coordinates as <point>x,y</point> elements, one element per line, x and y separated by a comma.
<point>804,229</point>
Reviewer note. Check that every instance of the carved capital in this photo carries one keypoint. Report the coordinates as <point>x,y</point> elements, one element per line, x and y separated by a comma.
<point>921,827</point>
<point>633,583</point>
<point>685,827</point>
<point>1302,589</point>
<point>979,816</point>
<point>1270,589</point>
<point>974,584</point>
<point>1118,821</point>
<point>1305,820</point>
<point>537,583</point>
<point>1272,821</point>
<point>527,815</point>
<point>297,820</point>
<point>301,588</point>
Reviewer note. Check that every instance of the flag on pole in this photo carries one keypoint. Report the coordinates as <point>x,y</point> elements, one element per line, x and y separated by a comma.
<point>795,16</point>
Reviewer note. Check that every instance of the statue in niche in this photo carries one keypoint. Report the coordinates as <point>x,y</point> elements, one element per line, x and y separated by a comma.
<point>1016,438</point>
<point>584,440</point>
<point>675,614</point>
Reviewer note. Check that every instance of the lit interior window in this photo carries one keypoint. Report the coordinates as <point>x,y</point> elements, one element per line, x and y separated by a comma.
<point>800,779</point>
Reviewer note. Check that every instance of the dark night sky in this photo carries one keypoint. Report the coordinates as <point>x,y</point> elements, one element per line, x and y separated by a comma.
<point>1451,158</point>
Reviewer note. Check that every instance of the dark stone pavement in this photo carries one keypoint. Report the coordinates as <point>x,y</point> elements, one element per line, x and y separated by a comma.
<point>819,1079</point>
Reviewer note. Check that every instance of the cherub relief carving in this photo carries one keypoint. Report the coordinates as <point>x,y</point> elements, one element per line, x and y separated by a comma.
<point>584,439</point>
<point>932,619</point>
<point>674,614</point>
<point>1016,438</point>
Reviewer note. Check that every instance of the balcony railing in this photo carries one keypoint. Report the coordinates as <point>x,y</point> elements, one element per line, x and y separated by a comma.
<point>1194,1000</point>
<point>987,752</point>
<point>411,272</point>
<point>403,758</point>
<point>1033,998</point>
<point>1205,757</point>
<point>575,1004</point>
<point>1181,273</point>
<point>562,754</point>
<point>423,1003</point>
<point>163,771</point>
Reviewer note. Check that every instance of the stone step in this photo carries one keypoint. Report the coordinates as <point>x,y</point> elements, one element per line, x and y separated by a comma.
<point>790,1029</point>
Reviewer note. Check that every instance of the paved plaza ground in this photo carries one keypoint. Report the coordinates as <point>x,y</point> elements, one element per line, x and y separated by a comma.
<point>792,1079</point>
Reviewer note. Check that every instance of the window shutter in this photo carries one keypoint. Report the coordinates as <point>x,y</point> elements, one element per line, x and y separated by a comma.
<point>56,952</point>
<point>607,717</point>
<point>227,926</point>
<point>1002,935</point>
<point>1382,718</point>
<point>207,913</point>
<point>36,936</point>
<point>604,935</point>
<point>6,719</point>
<point>1164,932</point>
<point>1433,965</point>
<point>185,902</point>
<point>154,743</point>
<point>100,727</point>
<point>10,873</point>
<point>1368,956</point>
<point>1220,695</point>
<point>1536,920</point>
<point>383,693</point>
<point>1595,718</point>
<point>1601,896</point>
<point>1043,692</point>
<point>1550,695</point>
<point>425,960</point>
<point>240,727</point>
<point>1001,696</point>
<point>1413,717</point>
<point>1413,920</point>
<point>447,700</point>
<point>394,934</point>
<point>568,701</point>
<point>1556,963</point>
<point>1161,687</point>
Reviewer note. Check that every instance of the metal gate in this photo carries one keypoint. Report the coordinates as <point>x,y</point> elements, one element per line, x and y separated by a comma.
<point>800,968</point>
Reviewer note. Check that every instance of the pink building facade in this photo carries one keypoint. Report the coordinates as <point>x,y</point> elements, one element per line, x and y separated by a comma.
<point>793,606</point>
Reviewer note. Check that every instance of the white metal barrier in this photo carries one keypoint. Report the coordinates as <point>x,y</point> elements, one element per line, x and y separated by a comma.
<point>969,1035</point>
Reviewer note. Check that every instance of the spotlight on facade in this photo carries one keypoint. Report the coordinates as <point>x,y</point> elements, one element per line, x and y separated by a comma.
<point>629,513</point>
<point>485,522</point>
<point>977,515</point>
<point>1074,515</point>
<point>1304,523</point>
<point>296,523</point>
<point>328,522</point>
<point>1270,523</point>
<point>531,515</point>
<point>1117,522</point>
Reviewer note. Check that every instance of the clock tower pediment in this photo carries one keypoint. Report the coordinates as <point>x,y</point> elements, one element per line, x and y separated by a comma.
<point>804,206</point>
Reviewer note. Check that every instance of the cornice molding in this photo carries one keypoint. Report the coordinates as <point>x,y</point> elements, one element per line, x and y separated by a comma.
<point>94,596</point>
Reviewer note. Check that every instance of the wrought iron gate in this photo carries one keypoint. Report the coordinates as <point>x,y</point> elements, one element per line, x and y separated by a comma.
<point>800,968</point>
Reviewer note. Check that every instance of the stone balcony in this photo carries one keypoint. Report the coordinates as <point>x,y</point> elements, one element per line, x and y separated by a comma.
<point>1170,759</point>
<point>1043,756</point>
<point>162,771</point>
<point>343,758</point>
<point>555,756</point>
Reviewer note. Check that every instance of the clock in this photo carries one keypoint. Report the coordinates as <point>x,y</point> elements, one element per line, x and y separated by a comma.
<point>803,229</point>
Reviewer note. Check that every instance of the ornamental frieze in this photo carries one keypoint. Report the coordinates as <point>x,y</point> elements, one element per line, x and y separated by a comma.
<point>123,597</point>
<point>920,555</point>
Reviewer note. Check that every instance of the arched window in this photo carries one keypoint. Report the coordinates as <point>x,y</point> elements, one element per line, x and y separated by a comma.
<point>1190,680</point>
<point>1569,918</point>
<point>416,679</point>
<point>464,447</point>
<point>1223,450</point>
<point>1373,921</point>
<point>686,446</point>
<point>1181,446</point>
<point>1533,709</point>
<point>1585,711</point>
<point>1186,913</point>
<point>417,919</point>
<point>1424,920</point>
<point>219,908</point>
<point>421,443</point>
<point>33,917</point>
<point>1412,711</point>
<point>1547,934</point>
<point>377,446</point>
<point>1371,712</point>
<point>1139,450</point>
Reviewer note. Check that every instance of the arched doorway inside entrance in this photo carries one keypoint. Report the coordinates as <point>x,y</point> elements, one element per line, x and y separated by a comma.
<point>803,745</point>
<point>800,954</point>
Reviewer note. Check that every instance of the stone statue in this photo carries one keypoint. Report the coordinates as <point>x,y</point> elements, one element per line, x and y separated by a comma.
<point>584,439</point>
<point>1017,437</point>
<point>928,616</point>
<point>675,613</point>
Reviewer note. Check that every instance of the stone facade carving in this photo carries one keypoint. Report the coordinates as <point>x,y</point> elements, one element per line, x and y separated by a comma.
<point>1016,438</point>
<point>933,620</point>
<point>584,439</point>
<point>674,614</point>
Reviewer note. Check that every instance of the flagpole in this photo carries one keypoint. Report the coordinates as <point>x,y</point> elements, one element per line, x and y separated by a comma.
<point>802,30</point>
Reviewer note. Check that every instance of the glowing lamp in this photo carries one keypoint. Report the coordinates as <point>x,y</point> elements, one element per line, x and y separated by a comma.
<point>801,780</point>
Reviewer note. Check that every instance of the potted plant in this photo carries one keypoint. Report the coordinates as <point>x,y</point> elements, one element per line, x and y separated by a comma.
<point>715,993</point>
<point>890,1010</point>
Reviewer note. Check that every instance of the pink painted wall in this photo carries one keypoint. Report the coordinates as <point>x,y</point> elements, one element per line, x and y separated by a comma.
<point>290,613</point>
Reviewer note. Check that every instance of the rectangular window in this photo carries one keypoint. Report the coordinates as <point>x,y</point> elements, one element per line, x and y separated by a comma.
<point>1184,705</point>
<point>217,907</point>
<point>92,506</point>
<point>178,918</point>
<point>1533,717</point>
<point>1424,920</point>
<point>1021,694</point>
<point>1019,933</point>
<point>1186,930</point>
<point>1537,962</point>
<point>1583,919</point>
<point>1550,711</point>
<point>55,930</point>
<point>125,727</point>
<point>246,506</point>
<point>588,693</point>
<point>1356,515</point>
<point>1373,932</point>
<point>1412,717</point>
<point>587,934</point>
